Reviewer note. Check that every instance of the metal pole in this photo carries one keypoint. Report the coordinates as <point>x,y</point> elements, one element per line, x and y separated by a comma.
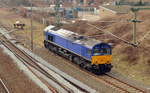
<point>134,28</point>
<point>31,28</point>
<point>57,18</point>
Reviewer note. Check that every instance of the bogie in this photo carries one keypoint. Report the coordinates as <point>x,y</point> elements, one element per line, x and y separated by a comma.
<point>83,63</point>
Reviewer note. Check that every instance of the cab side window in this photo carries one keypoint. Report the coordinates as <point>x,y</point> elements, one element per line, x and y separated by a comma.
<point>50,37</point>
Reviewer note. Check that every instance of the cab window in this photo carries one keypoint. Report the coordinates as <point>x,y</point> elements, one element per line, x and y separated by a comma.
<point>50,37</point>
<point>106,51</point>
<point>96,52</point>
<point>102,51</point>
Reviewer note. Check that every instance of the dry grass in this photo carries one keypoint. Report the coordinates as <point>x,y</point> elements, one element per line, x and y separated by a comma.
<point>130,61</point>
<point>9,18</point>
<point>15,79</point>
<point>133,60</point>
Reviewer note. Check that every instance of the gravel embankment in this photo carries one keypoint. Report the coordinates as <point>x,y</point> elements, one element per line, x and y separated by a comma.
<point>73,71</point>
<point>15,79</point>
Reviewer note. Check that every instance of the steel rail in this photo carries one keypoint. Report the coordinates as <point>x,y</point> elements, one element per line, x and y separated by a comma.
<point>23,60</point>
<point>32,59</point>
<point>108,81</point>
<point>4,86</point>
<point>48,75</point>
<point>49,86</point>
<point>32,65</point>
<point>126,83</point>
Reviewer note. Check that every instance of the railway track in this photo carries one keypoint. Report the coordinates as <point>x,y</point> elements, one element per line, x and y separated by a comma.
<point>120,85</point>
<point>5,27</point>
<point>109,80</point>
<point>3,87</point>
<point>112,81</point>
<point>22,57</point>
<point>115,83</point>
<point>32,64</point>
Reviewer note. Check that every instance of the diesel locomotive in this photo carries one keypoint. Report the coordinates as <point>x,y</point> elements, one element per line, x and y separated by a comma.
<point>90,54</point>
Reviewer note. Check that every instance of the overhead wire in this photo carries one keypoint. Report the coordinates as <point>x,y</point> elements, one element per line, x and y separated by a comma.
<point>114,22</point>
<point>144,37</point>
<point>103,27</point>
<point>109,33</point>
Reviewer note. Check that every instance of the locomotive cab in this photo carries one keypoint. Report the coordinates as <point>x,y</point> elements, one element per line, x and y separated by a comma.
<point>102,56</point>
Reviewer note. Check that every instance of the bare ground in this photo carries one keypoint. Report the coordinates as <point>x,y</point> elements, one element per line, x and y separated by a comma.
<point>129,61</point>
<point>15,79</point>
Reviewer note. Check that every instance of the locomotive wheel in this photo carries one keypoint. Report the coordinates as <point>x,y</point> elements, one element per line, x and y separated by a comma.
<point>45,44</point>
<point>70,57</point>
<point>50,47</point>
<point>98,72</point>
<point>88,67</point>
<point>108,69</point>
<point>55,50</point>
<point>76,60</point>
<point>81,65</point>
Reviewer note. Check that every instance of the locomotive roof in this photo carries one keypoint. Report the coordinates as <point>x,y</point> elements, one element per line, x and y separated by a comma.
<point>72,36</point>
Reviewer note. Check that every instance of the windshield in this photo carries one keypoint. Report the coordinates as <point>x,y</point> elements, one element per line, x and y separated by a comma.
<point>102,51</point>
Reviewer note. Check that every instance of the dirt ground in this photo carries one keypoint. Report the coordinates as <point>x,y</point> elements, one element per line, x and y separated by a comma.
<point>128,60</point>
<point>131,62</point>
<point>15,79</point>
<point>89,16</point>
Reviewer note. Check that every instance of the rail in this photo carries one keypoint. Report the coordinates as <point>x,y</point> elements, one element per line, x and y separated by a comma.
<point>24,57</point>
<point>109,82</point>
<point>4,86</point>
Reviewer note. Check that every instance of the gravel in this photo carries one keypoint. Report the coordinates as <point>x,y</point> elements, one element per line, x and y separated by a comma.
<point>14,78</point>
<point>52,83</point>
<point>80,84</point>
<point>23,68</point>
<point>73,70</point>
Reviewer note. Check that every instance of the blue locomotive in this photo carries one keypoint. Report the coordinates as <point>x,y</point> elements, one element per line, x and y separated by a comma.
<point>86,52</point>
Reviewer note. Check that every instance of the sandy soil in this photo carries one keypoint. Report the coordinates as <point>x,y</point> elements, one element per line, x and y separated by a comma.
<point>129,61</point>
<point>73,71</point>
<point>15,79</point>
<point>89,16</point>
